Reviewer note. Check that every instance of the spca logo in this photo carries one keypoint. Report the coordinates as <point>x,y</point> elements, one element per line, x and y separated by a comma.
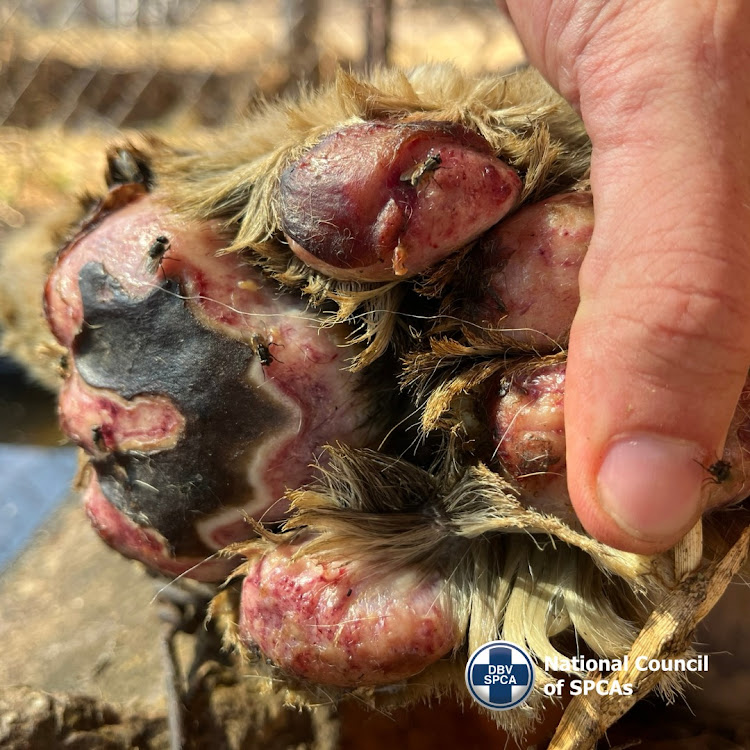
<point>500,675</point>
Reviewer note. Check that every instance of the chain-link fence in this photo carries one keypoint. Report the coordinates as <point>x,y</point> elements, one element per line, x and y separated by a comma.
<point>74,72</point>
<point>129,63</point>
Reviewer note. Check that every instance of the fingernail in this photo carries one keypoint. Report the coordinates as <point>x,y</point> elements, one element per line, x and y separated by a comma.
<point>651,485</point>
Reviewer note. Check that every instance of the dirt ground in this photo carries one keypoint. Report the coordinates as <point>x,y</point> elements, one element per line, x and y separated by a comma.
<point>80,622</point>
<point>75,617</point>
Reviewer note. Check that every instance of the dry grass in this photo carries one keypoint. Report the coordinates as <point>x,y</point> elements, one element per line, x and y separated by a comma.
<point>231,37</point>
<point>238,46</point>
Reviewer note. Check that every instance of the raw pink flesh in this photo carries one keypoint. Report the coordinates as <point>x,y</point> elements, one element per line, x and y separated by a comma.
<point>530,264</point>
<point>304,378</point>
<point>526,416</point>
<point>145,544</point>
<point>349,208</point>
<point>334,623</point>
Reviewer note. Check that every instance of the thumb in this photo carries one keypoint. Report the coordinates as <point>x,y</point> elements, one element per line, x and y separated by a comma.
<point>660,346</point>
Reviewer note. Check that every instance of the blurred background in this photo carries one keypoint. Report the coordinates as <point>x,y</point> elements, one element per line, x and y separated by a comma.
<point>73,73</point>
<point>77,74</point>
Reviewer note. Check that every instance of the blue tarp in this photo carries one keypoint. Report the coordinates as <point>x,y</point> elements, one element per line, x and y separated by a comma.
<point>33,482</point>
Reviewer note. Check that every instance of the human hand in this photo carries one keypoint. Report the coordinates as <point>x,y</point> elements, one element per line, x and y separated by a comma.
<point>660,345</point>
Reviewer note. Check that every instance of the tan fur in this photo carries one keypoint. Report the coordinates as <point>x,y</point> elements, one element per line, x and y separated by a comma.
<point>511,571</point>
<point>236,178</point>
<point>522,118</point>
<point>25,260</point>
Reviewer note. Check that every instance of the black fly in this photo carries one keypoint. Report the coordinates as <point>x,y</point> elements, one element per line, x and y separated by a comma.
<point>719,470</point>
<point>262,352</point>
<point>415,174</point>
<point>155,254</point>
